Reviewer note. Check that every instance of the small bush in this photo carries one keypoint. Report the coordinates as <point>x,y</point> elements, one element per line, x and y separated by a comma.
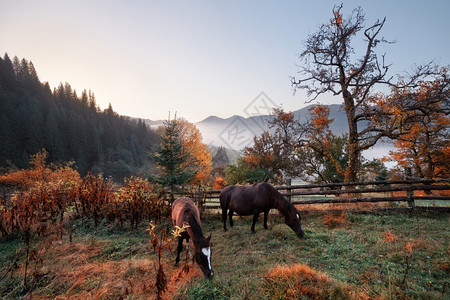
<point>298,281</point>
<point>389,236</point>
<point>333,220</point>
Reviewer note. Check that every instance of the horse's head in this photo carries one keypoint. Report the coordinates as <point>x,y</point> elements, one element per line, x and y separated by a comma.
<point>203,256</point>
<point>293,221</point>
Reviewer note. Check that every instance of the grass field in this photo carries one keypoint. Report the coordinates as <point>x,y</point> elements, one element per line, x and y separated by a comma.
<point>389,255</point>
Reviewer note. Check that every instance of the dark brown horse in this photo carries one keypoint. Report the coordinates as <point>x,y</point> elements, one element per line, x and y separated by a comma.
<point>255,199</point>
<point>184,211</point>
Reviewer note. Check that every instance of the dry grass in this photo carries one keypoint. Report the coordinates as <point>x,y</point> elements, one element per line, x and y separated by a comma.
<point>76,274</point>
<point>301,281</point>
<point>376,256</point>
<point>83,270</point>
<point>334,220</point>
<point>389,236</point>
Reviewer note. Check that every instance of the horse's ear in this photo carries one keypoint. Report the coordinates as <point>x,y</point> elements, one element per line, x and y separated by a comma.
<point>209,237</point>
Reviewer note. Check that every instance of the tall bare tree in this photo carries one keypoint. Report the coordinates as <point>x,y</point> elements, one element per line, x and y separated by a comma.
<point>330,65</point>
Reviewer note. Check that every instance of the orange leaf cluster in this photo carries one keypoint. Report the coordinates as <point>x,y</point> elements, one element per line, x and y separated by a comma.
<point>389,237</point>
<point>420,114</point>
<point>199,155</point>
<point>252,159</point>
<point>219,183</point>
<point>285,116</point>
<point>319,116</point>
<point>337,20</point>
<point>409,248</point>
<point>40,173</point>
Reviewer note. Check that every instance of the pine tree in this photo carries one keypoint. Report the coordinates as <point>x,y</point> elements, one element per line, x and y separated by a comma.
<point>8,142</point>
<point>68,126</point>
<point>169,158</point>
<point>221,159</point>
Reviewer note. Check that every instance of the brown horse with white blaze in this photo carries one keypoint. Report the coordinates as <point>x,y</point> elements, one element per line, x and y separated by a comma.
<point>255,199</point>
<point>184,211</point>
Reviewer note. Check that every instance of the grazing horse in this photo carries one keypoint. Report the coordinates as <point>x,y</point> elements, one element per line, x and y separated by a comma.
<point>184,211</point>
<point>255,199</point>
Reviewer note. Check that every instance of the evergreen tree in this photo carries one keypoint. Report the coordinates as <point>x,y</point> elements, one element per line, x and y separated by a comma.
<point>169,158</point>
<point>7,144</point>
<point>69,127</point>
<point>221,158</point>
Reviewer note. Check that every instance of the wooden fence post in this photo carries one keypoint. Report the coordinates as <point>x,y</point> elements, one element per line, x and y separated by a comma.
<point>200,200</point>
<point>289,190</point>
<point>410,190</point>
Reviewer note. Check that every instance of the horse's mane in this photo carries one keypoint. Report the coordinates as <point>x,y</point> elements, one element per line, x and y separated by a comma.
<point>280,202</point>
<point>195,229</point>
<point>184,211</point>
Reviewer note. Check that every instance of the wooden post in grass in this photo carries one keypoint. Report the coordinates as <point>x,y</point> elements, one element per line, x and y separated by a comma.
<point>410,191</point>
<point>289,190</point>
<point>200,200</point>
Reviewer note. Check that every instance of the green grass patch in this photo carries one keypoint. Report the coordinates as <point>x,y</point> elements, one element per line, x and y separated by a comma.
<point>389,255</point>
<point>355,256</point>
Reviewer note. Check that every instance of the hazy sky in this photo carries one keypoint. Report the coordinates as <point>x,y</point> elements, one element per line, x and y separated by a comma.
<point>199,58</point>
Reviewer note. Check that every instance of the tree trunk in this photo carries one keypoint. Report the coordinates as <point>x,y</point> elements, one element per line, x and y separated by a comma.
<point>352,166</point>
<point>353,146</point>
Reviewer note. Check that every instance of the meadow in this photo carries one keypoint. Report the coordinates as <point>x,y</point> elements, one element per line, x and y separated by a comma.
<point>352,255</point>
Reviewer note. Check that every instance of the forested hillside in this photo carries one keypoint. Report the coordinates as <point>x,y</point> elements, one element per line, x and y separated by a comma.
<point>70,127</point>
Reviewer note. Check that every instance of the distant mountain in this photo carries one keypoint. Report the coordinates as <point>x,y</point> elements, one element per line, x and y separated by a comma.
<point>237,132</point>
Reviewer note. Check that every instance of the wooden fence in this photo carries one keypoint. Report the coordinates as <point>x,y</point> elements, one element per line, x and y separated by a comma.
<point>406,193</point>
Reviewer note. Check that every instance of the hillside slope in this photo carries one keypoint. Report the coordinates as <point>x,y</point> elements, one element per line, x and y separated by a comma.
<point>68,126</point>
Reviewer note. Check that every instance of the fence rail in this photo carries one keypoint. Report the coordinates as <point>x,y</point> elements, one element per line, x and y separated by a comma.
<point>409,191</point>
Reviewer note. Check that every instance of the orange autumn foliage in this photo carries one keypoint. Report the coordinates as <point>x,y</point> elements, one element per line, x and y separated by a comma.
<point>219,183</point>
<point>199,155</point>
<point>301,281</point>
<point>337,20</point>
<point>44,193</point>
<point>320,137</point>
<point>319,116</point>
<point>41,195</point>
<point>409,248</point>
<point>389,237</point>
<point>422,115</point>
<point>332,220</point>
<point>252,159</point>
<point>41,173</point>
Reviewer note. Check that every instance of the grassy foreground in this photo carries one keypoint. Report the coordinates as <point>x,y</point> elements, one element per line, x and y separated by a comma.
<point>389,255</point>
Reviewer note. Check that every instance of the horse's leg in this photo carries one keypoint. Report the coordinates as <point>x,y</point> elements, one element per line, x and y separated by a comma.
<point>255,218</point>
<point>179,248</point>
<point>266,213</point>
<point>224,218</point>
<point>230,215</point>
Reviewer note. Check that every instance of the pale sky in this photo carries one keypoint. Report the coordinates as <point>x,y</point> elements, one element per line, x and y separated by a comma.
<point>199,58</point>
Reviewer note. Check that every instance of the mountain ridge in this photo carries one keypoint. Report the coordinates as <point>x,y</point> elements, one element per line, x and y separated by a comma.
<point>237,132</point>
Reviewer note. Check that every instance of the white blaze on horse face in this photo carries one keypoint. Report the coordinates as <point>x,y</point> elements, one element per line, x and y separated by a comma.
<point>207,253</point>
<point>298,217</point>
